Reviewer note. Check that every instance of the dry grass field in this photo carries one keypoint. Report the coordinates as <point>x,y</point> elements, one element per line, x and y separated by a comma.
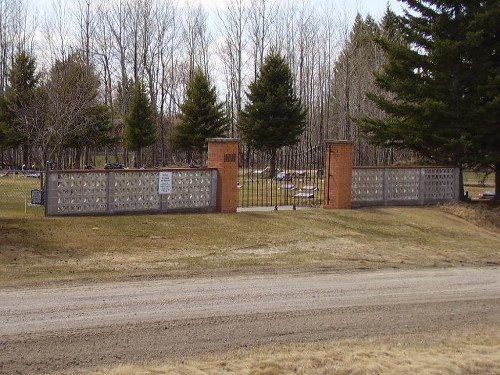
<point>35,249</point>
<point>467,352</point>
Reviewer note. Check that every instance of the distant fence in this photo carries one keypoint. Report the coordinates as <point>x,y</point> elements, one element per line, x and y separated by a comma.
<point>16,187</point>
<point>404,186</point>
<point>105,192</point>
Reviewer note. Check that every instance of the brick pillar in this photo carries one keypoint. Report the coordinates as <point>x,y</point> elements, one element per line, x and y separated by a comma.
<point>338,174</point>
<point>223,155</point>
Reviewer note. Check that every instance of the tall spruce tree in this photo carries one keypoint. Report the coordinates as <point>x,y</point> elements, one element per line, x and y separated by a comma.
<point>443,79</point>
<point>8,136</point>
<point>201,117</point>
<point>140,128</point>
<point>353,77</point>
<point>75,109</point>
<point>20,103</point>
<point>274,116</point>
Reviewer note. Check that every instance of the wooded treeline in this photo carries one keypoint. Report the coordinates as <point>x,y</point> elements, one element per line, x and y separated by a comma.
<point>85,60</point>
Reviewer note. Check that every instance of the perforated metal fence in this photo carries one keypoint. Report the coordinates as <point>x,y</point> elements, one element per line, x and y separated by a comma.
<point>404,186</point>
<point>130,191</point>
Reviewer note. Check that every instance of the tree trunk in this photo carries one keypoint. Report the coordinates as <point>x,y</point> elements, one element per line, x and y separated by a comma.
<point>461,192</point>
<point>138,158</point>
<point>78,158</point>
<point>87,157</point>
<point>26,155</point>
<point>497,181</point>
<point>272,163</point>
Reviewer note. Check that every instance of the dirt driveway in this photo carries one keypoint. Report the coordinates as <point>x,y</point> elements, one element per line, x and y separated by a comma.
<point>77,328</point>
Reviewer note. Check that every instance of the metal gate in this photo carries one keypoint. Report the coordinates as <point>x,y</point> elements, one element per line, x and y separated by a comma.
<point>297,179</point>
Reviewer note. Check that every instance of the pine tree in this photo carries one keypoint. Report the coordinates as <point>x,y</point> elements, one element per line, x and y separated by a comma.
<point>74,86</point>
<point>353,77</point>
<point>484,41</point>
<point>8,135</point>
<point>444,80</point>
<point>140,129</point>
<point>274,116</point>
<point>201,117</point>
<point>20,103</point>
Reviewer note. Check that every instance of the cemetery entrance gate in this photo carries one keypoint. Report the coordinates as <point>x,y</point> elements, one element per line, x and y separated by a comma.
<point>297,179</point>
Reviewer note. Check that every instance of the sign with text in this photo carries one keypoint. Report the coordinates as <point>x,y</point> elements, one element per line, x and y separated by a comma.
<point>165,185</point>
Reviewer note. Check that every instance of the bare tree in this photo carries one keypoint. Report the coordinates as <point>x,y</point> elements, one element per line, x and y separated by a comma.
<point>118,18</point>
<point>71,92</point>
<point>167,81</point>
<point>160,42</point>
<point>197,39</point>
<point>262,16</point>
<point>234,20</point>
<point>102,53</point>
<point>354,68</point>
<point>56,30</point>
<point>16,35</point>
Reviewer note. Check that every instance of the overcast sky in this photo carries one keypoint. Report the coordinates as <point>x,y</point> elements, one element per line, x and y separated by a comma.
<point>343,9</point>
<point>375,8</point>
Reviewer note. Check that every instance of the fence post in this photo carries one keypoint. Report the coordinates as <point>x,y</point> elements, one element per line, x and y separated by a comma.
<point>421,187</point>
<point>46,189</point>
<point>223,155</point>
<point>338,174</point>
<point>456,184</point>
<point>385,186</point>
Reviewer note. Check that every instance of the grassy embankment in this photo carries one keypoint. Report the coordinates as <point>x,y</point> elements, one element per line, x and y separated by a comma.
<point>36,250</point>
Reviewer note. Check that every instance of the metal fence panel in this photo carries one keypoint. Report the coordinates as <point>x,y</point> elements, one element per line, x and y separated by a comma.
<point>297,180</point>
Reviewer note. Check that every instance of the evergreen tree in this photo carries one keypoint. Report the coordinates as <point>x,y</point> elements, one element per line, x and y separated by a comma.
<point>19,109</point>
<point>201,116</point>
<point>87,123</point>
<point>353,77</point>
<point>443,80</point>
<point>484,40</point>
<point>8,135</point>
<point>96,131</point>
<point>140,128</point>
<point>274,116</point>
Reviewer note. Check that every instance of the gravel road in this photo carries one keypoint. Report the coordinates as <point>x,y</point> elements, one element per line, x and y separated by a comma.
<point>73,328</point>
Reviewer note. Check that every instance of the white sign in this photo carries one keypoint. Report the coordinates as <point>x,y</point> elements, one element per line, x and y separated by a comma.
<point>165,184</point>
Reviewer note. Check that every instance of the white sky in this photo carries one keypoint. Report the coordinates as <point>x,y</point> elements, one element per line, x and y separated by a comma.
<point>375,8</point>
<point>344,9</point>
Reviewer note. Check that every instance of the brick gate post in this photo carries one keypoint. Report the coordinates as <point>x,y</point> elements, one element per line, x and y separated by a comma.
<point>223,155</point>
<point>338,174</point>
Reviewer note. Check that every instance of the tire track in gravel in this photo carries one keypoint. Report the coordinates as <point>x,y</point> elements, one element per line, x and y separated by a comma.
<point>47,330</point>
